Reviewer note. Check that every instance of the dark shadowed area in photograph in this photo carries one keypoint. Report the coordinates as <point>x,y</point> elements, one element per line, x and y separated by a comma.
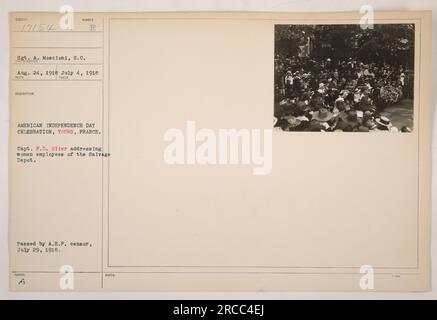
<point>334,78</point>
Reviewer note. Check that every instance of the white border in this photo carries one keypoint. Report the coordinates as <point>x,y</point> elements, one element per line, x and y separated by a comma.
<point>201,5</point>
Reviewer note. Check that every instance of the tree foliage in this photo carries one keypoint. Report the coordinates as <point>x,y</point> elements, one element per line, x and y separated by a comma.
<point>383,42</point>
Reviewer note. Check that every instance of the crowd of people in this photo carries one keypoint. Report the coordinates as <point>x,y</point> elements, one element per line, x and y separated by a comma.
<point>338,95</point>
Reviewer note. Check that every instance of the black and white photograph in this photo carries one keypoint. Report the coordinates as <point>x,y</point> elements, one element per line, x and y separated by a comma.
<point>344,78</point>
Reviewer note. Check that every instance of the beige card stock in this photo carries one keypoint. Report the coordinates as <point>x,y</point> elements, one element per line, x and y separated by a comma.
<point>96,100</point>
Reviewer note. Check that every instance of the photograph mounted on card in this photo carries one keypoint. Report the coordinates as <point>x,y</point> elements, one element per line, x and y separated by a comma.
<point>220,151</point>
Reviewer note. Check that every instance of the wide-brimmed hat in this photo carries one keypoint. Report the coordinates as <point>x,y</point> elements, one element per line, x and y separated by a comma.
<point>383,121</point>
<point>323,115</point>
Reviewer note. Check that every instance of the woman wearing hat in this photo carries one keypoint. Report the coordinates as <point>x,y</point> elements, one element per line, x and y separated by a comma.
<point>323,115</point>
<point>317,101</point>
<point>301,108</point>
<point>366,103</point>
<point>348,120</point>
<point>339,105</point>
<point>322,120</point>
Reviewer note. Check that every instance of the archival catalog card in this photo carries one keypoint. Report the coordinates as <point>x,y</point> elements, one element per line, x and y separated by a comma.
<point>220,151</point>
